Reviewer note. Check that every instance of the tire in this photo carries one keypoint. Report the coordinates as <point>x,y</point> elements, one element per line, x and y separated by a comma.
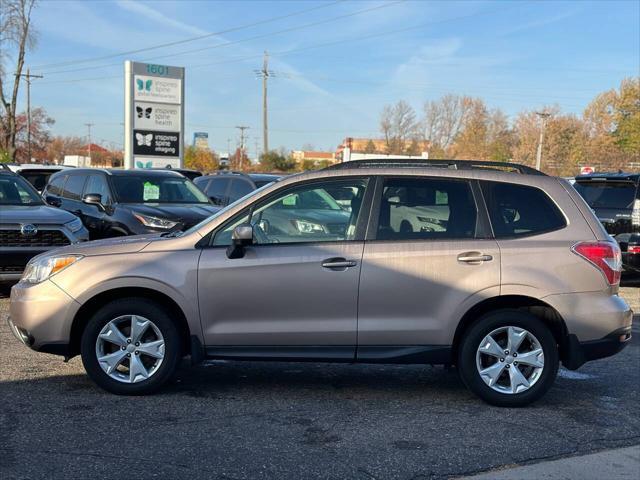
<point>472,359</point>
<point>158,338</point>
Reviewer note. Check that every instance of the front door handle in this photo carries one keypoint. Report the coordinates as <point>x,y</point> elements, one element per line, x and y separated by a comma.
<point>474,257</point>
<point>338,263</point>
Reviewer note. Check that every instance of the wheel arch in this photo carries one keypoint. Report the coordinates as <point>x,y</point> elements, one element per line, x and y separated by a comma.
<point>543,311</point>
<point>96,302</point>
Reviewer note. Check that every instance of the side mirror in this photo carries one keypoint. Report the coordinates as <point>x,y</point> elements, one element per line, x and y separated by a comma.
<point>53,201</point>
<point>241,237</point>
<point>93,199</point>
<point>395,200</point>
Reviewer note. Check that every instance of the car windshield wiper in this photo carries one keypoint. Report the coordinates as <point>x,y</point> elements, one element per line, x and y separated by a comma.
<point>175,233</point>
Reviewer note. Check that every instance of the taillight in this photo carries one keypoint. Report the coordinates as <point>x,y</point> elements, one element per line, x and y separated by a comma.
<point>635,214</point>
<point>605,256</point>
<point>633,249</point>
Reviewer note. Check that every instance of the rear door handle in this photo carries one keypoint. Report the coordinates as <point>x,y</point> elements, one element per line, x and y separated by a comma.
<point>474,257</point>
<point>338,263</point>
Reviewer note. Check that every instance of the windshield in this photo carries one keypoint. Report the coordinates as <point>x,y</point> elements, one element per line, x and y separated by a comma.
<point>16,191</point>
<point>615,195</point>
<point>198,226</point>
<point>156,189</point>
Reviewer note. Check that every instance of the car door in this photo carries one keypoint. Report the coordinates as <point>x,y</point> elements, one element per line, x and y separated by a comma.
<point>428,258</point>
<point>72,193</point>
<point>293,293</point>
<point>94,217</point>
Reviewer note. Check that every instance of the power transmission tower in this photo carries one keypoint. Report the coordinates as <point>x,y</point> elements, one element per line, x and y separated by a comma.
<point>242,128</point>
<point>28,76</point>
<point>544,116</point>
<point>265,73</point>
<point>89,125</point>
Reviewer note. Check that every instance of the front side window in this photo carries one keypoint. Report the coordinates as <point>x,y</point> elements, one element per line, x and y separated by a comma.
<point>56,184</point>
<point>16,191</point>
<point>239,188</point>
<point>73,187</point>
<point>97,184</point>
<point>217,190</point>
<point>426,209</point>
<point>141,188</point>
<point>307,213</point>
<point>520,210</point>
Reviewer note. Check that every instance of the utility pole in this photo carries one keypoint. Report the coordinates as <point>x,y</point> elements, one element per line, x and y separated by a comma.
<point>544,116</point>
<point>265,73</point>
<point>89,125</point>
<point>28,76</point>
<point>242,128</point>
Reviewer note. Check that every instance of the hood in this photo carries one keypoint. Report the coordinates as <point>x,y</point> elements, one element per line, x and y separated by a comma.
<point>188,214</point>
<point>35,214</point>
<point>111,246</point>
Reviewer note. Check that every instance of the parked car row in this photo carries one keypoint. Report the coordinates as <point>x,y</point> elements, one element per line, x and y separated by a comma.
<point>504,274</point>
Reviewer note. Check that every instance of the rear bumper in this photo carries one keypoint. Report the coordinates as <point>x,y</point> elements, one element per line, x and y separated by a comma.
<point>578,353</point>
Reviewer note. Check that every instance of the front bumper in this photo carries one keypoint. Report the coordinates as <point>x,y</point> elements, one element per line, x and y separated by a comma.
<point>41,316</point>
<point>576,353</point>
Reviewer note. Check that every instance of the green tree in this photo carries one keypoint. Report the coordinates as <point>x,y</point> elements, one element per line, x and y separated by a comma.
<point>277,161</point>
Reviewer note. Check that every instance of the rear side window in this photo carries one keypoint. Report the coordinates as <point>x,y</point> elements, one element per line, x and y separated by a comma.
<point>520,210</point>
<point>614,195</point>
<point>73,187</point>
<point>55,186</point>
<point>426,209</point>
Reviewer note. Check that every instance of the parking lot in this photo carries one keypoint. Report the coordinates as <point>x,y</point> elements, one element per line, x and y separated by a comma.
<point>279,420</point>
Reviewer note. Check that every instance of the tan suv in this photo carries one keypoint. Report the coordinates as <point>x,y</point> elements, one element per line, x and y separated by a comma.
<point>496,268</point>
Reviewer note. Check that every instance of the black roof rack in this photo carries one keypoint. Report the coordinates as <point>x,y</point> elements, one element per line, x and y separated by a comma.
<point>4,167</point>
<point>451,164</point>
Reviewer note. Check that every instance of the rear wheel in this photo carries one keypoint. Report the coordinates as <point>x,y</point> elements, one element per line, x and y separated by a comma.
<point>508,358</point>
<point>130,347</point>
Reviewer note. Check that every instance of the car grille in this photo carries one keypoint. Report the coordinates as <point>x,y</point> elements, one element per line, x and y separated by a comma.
<point>43,238</point>
<point>11,268</point>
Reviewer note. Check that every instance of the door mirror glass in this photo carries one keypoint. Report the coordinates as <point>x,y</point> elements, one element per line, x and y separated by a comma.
<point>93,199</point>
<point>241,237</point>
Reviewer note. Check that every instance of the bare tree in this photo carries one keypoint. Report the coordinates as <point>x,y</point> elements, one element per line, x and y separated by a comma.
<point>399,126</point>
<point>445,118</point>
<point>15,31</point>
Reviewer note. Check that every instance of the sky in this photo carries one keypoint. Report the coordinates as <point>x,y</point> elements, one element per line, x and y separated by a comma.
<point>335,63</point>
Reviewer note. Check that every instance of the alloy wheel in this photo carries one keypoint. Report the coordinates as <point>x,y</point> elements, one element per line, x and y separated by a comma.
<point>130,348</point>
<point>510,360</point>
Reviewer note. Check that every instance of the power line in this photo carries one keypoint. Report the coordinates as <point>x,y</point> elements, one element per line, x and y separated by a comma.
<point>243,40</point>
<point>187,40</point>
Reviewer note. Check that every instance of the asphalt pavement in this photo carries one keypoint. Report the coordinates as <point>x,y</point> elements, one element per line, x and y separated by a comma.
<point>232,420</point>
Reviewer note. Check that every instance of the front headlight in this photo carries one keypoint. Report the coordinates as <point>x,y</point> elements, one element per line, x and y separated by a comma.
<point>155,222</point>
<point>74,225</point>
<point>308,227</point>
<point>41,268</point>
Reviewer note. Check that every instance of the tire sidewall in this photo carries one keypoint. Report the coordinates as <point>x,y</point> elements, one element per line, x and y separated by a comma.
<point>486,324</point>
<point>131,306</point>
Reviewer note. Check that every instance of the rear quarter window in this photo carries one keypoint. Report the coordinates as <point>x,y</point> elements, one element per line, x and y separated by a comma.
<point>520,210</point>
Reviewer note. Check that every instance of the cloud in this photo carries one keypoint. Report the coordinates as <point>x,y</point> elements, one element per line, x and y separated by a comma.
<point>539,23</point>
<point>159,17</point>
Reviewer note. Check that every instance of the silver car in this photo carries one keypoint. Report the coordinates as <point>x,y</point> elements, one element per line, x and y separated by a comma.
<point>506,273</point>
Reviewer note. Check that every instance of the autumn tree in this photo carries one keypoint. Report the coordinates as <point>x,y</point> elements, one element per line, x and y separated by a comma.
<point>15,34</point>
<point>200,159</point>
<point>399,125</point>
<point>41,124</point>
<point>60,146</point>
<point>444,119</point>
<point>277,161</point>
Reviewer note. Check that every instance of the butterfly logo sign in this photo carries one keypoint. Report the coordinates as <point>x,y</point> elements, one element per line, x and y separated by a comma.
<point>144,140</point>
<point>140,164</point>
<point>144,85</point>
<point>146,112</point>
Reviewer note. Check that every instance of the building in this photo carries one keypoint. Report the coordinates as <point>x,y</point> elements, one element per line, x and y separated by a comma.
<point>313,158</point>
<point>374,148</point>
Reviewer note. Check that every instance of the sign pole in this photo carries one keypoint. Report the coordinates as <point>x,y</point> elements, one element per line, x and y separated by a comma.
<point>128,115</point>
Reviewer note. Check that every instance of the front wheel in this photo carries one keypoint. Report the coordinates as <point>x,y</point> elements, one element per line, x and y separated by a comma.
<point>130,347</point>
<point>508,358</point>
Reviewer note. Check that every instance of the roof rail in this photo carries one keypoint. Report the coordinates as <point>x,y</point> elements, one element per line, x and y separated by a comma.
<point>451,164</point>
<point>4,166</point>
